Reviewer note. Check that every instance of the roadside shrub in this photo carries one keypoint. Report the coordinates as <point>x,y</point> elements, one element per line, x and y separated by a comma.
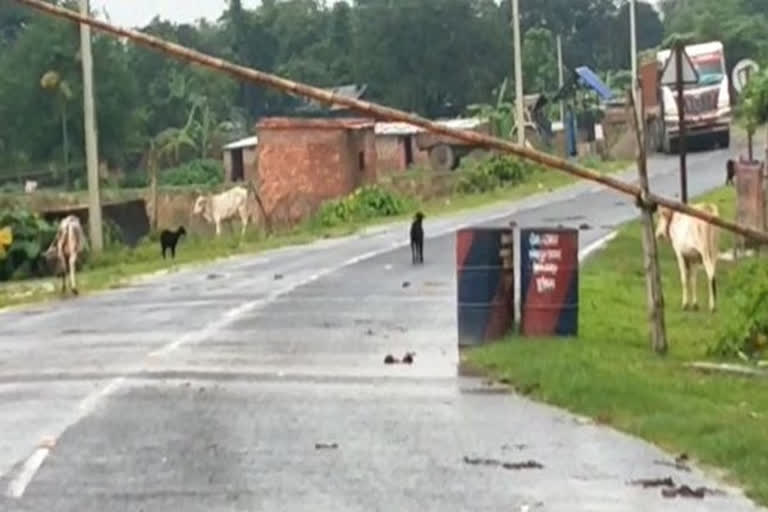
<point>367,202</point>
<point>196,172</point>
<point>494,173</point>
<point>31,237</point>
<point>744,319</point>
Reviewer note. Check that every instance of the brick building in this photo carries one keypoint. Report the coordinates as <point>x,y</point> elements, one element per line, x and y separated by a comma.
<point>241,160</point>
<point>303,162</point>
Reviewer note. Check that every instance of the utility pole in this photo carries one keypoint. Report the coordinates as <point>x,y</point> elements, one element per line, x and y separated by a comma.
<point>636,98</point>
<point>518,73</point>
<point>91,143</point>
<point>560,81</point>
<point>679,49</point>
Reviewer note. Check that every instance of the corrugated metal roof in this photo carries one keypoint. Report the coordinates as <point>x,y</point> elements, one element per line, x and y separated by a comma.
<point>397,128</point>
<point>242,143</point>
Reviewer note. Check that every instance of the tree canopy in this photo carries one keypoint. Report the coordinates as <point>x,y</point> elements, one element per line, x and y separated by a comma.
<point>433,57</point>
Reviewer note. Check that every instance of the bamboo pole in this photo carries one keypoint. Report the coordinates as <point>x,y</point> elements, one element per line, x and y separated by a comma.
<point>655,296</point>
<point>381,112</point>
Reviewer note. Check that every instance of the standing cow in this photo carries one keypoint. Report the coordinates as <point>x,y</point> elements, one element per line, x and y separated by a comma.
<point>694,242</point>
<point>62,254</point>
<point>215,208</point>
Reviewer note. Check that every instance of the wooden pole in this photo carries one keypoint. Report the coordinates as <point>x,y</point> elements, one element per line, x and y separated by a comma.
<point>655,295</point>
<point>681,144</point>
<point>381,112</point>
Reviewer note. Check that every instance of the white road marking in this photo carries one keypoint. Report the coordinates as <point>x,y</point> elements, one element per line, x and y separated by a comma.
<point>597,244</point>
<point>18,485</point>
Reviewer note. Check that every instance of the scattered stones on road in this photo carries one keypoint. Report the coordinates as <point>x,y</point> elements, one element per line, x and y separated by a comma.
<point>326,446</point>
<point>407,359</point>
<point>584,226</point>
<point>278,277</point>
<point>479,461</point>
<point>685,491</point>
<point>406,284</point>
<point>654,482</point>
<point>679,463</point>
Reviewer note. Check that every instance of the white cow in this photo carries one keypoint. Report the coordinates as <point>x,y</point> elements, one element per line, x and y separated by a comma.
<point>694,242</point>
<point>62,254</point>
<point>216,208</point>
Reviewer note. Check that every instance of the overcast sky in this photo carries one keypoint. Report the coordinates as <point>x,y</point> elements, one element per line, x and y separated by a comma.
<point>137,13</point>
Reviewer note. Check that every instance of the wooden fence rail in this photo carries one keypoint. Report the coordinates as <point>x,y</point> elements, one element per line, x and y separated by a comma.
<point>390,114</point>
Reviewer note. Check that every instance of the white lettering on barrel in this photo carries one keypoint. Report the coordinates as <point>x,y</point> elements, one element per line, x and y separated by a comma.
<point>544,257</point>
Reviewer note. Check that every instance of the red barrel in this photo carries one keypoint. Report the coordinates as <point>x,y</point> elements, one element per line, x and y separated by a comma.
<point>549,281</point>
<point>485,284</point>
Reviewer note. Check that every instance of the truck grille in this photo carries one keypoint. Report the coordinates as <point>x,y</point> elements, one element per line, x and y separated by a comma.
<point>700,103</point>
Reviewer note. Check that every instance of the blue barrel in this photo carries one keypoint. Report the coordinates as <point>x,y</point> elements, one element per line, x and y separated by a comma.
<point>549,282</point>
<point>485,284</point>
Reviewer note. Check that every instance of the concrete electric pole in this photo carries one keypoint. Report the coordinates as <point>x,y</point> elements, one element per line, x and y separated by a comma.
<point>519,99</point>
<point>560,81</point>
<point>91,143</point>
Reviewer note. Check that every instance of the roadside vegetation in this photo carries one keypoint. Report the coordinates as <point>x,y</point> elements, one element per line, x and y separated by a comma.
<point>610,373</point>
<point>497,179</point>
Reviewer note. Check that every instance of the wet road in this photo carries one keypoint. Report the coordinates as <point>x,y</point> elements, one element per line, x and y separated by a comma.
<point>207,390</point>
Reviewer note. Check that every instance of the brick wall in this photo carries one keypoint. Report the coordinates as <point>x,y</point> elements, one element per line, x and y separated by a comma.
<point>303,162</point>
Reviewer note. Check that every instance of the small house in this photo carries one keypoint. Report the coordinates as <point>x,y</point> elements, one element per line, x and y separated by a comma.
<point>241,159</point>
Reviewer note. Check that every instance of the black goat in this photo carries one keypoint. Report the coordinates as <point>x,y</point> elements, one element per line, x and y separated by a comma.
<point>417,239</point>
<point>169,239</point>
<point>730,168</point>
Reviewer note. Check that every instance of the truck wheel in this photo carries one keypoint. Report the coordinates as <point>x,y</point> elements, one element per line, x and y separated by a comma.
<point>725,139</point>
<point>442,158</point>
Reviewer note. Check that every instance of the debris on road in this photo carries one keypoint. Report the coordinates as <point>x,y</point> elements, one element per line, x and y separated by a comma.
<point>529,464</point>
<point>369,332</point>
<point>326,446</point>
<point>584,226</point>
<point>407,359</point>
<point>278,277</point>
<point>654,482</point>
<point>214,276</point>
<point>519,446</point>
<point>685,491</point>
<point>406,284</point>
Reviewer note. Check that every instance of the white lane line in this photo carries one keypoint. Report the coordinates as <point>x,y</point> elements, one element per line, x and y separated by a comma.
<point>597,244</point>
<point>18,485</point>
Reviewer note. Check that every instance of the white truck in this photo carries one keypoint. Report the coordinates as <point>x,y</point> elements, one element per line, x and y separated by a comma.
<point>707,103</point>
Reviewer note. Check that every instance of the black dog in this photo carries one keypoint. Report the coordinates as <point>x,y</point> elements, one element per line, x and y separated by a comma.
<point>417,239</point>
<point>730,167</point>
<point>169,239</point>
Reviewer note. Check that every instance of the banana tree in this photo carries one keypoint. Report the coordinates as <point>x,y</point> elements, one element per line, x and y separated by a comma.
<point>500,116</point>
<point>51,81</point>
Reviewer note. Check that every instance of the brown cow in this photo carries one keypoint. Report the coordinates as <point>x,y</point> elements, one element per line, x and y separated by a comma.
<point>694,241</point>
<point>62,254</point>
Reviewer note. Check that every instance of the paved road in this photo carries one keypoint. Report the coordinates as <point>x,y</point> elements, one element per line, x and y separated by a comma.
<point>207,390</point>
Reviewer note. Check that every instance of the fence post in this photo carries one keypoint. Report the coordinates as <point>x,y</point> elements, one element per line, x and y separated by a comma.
<point>655,296</point>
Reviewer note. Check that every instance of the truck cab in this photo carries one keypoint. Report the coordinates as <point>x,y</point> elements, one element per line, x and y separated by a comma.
<point>707,103</point>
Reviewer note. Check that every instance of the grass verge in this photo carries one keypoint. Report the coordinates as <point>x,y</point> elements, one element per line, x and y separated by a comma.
<point>611,374</point>
<point>118,265</point>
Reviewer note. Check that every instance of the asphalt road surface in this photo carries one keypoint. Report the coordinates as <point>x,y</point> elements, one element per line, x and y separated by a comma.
<point>208,389</point>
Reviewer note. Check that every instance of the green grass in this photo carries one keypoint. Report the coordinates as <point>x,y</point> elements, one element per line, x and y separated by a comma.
<point>611,374</point>
<point>116,266</point>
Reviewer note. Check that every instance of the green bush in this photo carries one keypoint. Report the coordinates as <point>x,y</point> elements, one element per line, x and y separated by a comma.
<point>744,324</point>
<point>367,202</point>
<point>196,172</point>
<point>494,173</point>
<point>31,237</point>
